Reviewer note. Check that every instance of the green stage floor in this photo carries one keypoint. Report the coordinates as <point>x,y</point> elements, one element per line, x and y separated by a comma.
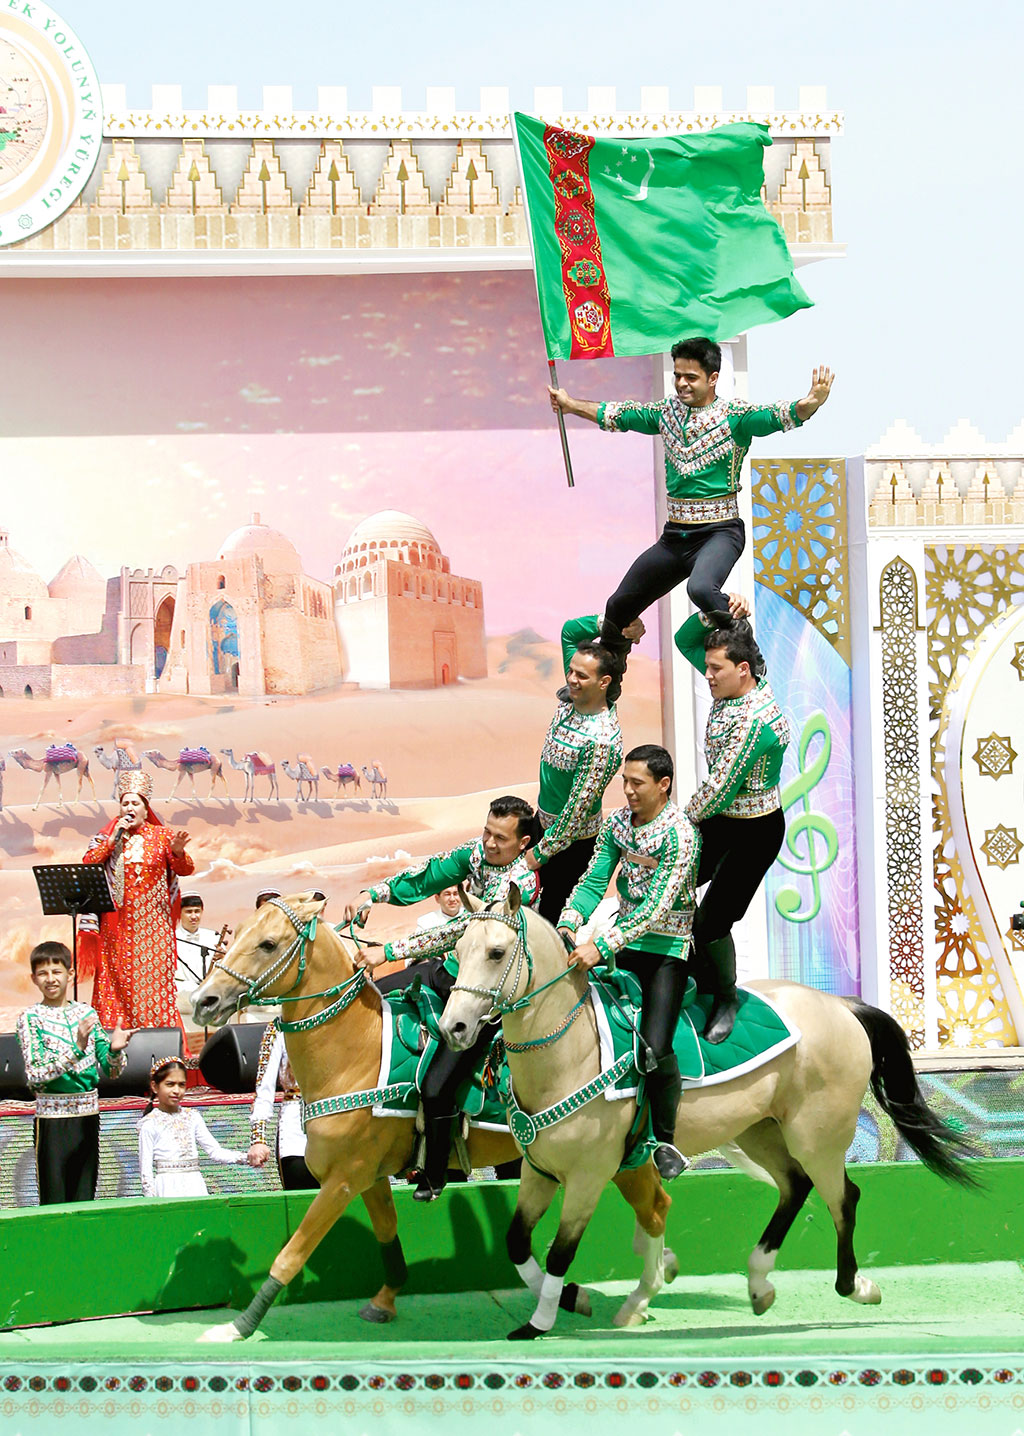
<point>926,1311</point>
<point>942,1355</point>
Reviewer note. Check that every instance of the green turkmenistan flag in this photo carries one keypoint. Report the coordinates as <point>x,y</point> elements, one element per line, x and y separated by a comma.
<point>640,242</point>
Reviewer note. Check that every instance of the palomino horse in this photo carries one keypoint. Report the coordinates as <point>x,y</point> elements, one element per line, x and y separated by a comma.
<point>793,1119</point>
<point>284,953</point>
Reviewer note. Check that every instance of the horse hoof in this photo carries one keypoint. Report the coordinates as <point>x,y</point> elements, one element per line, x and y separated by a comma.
<point>763,1301</point>
<point>376,1314</point>
<point>865,1291</point>
<point>228,1332</point>
<point>529,1332</point>
<point>629,1315</point>
<point>575,1298</point>
<point>671,1264</point>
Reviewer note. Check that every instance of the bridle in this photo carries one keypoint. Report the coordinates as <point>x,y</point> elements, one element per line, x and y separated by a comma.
<point>520,956</point>
<point>256,988</point>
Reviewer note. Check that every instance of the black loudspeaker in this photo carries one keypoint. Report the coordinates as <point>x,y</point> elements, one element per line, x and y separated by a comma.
<point>146,1046</point>
<point>13,1082</point>
<point>229,1059</point>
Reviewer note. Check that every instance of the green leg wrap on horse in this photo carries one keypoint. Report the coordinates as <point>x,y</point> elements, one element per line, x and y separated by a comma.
<point>257,1309</point>
<point>395,1270</point>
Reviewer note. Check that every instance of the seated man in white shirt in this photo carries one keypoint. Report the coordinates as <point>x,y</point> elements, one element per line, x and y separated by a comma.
<point>196,944</point>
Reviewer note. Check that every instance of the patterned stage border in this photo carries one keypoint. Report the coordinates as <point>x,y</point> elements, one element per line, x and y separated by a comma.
<point>280,1397</point>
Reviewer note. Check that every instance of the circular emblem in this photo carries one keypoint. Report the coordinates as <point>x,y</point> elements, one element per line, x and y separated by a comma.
<point>522,1127</point>
<point>51,118</point>
<point>589,317</point>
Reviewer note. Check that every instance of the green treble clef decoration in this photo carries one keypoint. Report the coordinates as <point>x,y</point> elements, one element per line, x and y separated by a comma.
<point>808,825</point>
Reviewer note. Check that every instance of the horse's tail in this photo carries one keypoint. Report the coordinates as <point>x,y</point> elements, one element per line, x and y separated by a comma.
<point>942,1148</point>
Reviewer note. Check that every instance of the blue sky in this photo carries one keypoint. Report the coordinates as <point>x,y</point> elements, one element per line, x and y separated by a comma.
<point>922,320</point>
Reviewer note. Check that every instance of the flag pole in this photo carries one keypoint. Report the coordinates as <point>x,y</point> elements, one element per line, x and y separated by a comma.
<point>561,430</point>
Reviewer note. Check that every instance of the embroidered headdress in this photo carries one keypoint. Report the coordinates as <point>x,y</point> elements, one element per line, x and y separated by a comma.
<point>135,782</point>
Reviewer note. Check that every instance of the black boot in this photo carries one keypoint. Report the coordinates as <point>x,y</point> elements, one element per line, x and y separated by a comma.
<point>721,954</point>
<point>664,1088</point>
<point>616,642</point>
<point>437,1130</point>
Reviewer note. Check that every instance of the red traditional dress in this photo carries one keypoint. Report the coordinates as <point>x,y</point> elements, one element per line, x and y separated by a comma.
<point>137,952</point>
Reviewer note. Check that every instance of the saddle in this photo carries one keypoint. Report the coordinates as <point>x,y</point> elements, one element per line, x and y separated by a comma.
<point>410,1040</point>
<point>195,756</point>
<point>62,753</point>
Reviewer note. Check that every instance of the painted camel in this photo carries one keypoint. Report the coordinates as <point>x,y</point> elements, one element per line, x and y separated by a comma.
<point>124,760</point>
<point>304,775</point>
<point>188,763</point>
<point>253,765</point>
<point>377,779</point>
<point>53,765</point>
<point>341,776</point>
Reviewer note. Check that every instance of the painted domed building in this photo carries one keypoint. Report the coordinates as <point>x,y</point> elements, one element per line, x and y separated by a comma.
<point>249,621</point>
<point>405,620</point>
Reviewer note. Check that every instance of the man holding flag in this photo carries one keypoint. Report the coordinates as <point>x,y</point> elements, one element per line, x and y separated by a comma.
<point>706,440</point>
<point>638,242</point>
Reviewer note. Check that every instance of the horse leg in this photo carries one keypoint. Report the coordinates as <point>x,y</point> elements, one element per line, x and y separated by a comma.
<point>643,1190</point>
<point>325,1209</point>
<point>536,1194</point>
<point>581,1196</point>
<point>381,1206</point>
<point>763,1144</point>
<point>827,1170</point>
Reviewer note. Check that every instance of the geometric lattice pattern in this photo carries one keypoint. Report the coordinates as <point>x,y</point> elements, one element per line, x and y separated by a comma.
<point>1017,661</point>
<point>799,511</point>
<point>966,589</point>
<point>1002,846</point>
<point>898,629</point>
<point>994,756</point>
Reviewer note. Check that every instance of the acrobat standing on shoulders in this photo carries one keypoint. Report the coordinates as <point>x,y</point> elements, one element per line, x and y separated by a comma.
<point>582,753</point>
<point>706,440</point>
<point>737,809</point>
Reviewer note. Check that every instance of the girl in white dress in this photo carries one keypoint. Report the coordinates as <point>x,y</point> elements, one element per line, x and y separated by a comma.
<point>170,1135</point>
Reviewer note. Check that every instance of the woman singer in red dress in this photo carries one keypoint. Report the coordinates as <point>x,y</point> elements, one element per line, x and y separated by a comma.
<point>137,953</point>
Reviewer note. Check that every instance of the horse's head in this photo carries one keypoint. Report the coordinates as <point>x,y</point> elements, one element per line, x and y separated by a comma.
<point>263,961</point>
<point>494,968</point>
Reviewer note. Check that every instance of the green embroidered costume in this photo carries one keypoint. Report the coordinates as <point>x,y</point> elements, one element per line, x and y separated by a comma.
<point>744,743</point>
<point>465,864</point>
<point>704,448</point>
<point>656,886</point>
<point>64,1077</point>
<point>581,755</point>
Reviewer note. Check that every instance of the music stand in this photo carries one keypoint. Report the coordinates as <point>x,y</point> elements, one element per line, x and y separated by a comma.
<point>68,889</point>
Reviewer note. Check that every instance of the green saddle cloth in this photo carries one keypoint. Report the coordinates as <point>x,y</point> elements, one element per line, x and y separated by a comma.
<point>414,1039</point>
<point>760,1031</point>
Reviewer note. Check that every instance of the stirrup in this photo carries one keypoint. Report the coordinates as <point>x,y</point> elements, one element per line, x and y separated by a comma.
<point>425,1191</point>
<point>669,1160</point>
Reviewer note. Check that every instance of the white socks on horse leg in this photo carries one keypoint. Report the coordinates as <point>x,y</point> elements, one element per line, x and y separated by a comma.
<point>530,1274</point>
<point>547,1305</point>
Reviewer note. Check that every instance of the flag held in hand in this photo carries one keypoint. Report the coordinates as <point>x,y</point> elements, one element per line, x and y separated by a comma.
<point>638,243</point>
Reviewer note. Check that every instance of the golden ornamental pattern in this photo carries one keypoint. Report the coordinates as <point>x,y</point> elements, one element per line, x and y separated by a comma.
<point>965,589</point>
<point>799,513</point>
<point>898,627</point>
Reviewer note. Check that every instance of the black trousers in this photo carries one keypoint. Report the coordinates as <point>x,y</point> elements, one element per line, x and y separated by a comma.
<point>559,876</point>
<point>735,854</point>
<point>295,1175</point>
<point>663,985</point>
<point>67,1158</point>
<point>705,554</point>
